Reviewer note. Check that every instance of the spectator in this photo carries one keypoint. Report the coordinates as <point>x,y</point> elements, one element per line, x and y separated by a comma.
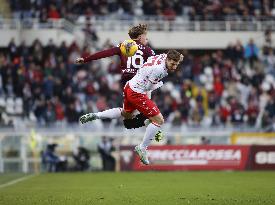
<point>269,112</point>
<point>105,148</point>
<point>53,13</point>
<point>49,158</point>
<point>71,113</point>
<point>252,113</point>
<point>82,158</point>
<point>90,33</point>
<point>12,49</point>
<point>251,52</point>
<point>205,141</point>
<point>59,110</point>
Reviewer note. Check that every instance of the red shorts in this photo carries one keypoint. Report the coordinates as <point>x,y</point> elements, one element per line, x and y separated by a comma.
<point>137,101</point>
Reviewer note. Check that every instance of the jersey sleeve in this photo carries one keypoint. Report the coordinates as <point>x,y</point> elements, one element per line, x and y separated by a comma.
<point>158,85</point>
<point>103,54</point>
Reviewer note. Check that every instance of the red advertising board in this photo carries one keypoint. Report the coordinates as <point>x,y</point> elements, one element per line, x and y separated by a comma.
<point>191,157</point>
<point>263,157</point>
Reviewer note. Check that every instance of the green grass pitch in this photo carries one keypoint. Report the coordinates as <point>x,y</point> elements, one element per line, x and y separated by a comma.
<point>142,188</point>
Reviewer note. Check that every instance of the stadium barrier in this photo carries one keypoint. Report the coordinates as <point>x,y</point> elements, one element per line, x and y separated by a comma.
<point>164,34</point>
<point>248,138</point>
<point>20,149</point>
<point>262,158</point>
<point>200,157</point>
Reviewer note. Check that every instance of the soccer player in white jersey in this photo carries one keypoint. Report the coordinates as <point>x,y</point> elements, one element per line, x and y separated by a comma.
<point>147,78</point>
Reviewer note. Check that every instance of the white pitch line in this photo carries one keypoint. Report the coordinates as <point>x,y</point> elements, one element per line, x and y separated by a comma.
<point>16,181</point>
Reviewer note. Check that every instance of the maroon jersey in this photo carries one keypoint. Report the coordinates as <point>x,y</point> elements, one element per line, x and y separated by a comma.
<point>128,65</point>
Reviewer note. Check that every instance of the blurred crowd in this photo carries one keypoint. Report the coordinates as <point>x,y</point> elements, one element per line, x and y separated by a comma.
<point>234,86</point>
<point>170,9</point>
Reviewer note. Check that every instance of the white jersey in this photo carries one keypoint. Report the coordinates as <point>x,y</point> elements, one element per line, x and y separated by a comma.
<point>148,77</point>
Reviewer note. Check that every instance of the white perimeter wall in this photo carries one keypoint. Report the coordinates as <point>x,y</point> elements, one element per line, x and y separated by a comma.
<point>44,35</point>
<point>191,40</point>
<point>185,40</point>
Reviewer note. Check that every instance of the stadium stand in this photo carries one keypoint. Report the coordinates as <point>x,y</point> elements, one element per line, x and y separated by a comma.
<point>234,86</point>
<point>224,87</point>
<point>170,9</point>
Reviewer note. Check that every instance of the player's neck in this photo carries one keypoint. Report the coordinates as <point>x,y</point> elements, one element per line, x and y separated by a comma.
<point>166,67</point>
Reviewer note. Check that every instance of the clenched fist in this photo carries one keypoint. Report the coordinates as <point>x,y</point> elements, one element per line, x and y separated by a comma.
<point>79,61</point>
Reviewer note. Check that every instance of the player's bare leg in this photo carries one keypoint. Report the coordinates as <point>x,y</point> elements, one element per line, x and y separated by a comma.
<point>152,129</point>
<point>126,115</point>
<point>139,121</point>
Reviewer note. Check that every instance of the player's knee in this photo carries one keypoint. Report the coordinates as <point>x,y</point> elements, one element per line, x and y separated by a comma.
<point>126,115</point>
<point>158,120</point>
<point>161,121</point>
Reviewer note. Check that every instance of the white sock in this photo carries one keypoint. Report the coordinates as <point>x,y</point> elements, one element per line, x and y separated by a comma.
<point>113,113</point>
<point>150,133</point>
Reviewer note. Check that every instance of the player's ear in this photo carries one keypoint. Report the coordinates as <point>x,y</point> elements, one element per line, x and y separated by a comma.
<point>139,37</point>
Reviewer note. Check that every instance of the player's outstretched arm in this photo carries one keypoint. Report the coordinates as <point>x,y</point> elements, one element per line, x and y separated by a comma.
<point>101,54</point>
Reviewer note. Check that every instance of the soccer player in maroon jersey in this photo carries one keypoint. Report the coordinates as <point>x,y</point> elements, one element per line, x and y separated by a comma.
<point>129,65</point>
